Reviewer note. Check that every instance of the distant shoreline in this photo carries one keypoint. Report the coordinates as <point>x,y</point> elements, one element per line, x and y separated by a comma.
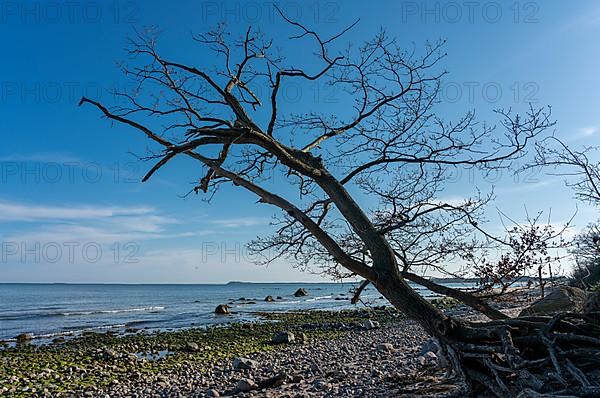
<point>179,284</point>
<point>434,279</point>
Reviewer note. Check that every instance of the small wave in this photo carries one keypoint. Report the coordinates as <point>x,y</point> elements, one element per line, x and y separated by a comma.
<point>317,298</point>
<point>117,311</point>
<point>73,332</point>
<point>37,314</point>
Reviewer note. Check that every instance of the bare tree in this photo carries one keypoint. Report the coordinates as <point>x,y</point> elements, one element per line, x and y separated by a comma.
<point>583,176</point>
<point>367,180</point>
<point>586,250</point>
<point>583,173</point>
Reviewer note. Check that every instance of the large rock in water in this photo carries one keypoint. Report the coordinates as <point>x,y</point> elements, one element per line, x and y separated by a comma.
<point>222,309</point>
<point>24,338</point>
<point>561,299</point>
<point>301,292</point>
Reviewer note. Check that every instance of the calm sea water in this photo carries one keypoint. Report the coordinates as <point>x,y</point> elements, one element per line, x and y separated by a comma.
<point>49,310</point>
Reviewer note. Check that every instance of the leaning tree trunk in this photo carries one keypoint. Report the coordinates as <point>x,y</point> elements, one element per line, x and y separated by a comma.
<point>525,357</point>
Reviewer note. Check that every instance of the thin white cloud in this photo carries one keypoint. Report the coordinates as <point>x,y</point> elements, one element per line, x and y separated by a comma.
<point>17,211</point>
<point>83,223</point>
<point>239,222</point>
<point>83,234</point>
<point>588,131</point>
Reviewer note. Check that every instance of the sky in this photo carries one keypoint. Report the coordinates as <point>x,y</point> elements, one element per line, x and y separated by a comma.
<point>73,209</point>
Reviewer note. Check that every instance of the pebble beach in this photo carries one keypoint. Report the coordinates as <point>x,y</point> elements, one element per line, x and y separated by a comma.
<point>368,352</point>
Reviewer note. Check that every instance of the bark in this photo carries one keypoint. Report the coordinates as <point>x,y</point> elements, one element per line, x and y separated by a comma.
<point>394,288</point>
<point>465,297</point>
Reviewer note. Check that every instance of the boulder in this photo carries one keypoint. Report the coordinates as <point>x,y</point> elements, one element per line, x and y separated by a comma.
<point>24,338</point>
<point>269,298</point>
<point>245,385</point>
<point>222,309</point>
<point>561,299</point>
<point>301,292</point>
<point>369,324</point>
<point>385,347</point>
<point>283,337</point>
<point>191,347</point>
<point>244,363</point>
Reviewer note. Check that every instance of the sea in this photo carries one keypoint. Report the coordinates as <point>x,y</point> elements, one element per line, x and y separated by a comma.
<point>50,310</point>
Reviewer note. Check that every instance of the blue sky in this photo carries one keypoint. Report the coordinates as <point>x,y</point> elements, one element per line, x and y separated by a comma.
<point>70,181</point>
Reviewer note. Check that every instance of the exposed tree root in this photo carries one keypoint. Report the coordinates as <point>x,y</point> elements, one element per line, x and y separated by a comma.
<point>530,356</point>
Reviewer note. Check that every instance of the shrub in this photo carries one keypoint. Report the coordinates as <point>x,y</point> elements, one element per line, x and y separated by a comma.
<point>586,272</point>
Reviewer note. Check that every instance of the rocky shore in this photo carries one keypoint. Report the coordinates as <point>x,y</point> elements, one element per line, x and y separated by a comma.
<point>361,353</point>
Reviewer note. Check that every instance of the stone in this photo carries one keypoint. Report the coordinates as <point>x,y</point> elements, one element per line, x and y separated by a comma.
<point>561,299</point>
<point>24,338</point>
<point>385,347</point>
<point>109,354</point>
<point>370,324</point>
<point>283,337</point>
<point>430,345</point>
<point>245,385</point>
<point>191,347</point>
<point>301,292</point>
<point>269,298</point>
<point>244,363</point>
<point>273,382</point>
<point>429,359</point>
<point>302,338</point>
<point>222,309</point>
<point>132,357</point>
<point>213,393</point>
<point>296,379</point>
<point>433,346</point>
<point>322,385</point>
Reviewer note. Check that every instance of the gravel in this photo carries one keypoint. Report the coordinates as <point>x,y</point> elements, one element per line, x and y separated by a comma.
<point>382,362</point>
